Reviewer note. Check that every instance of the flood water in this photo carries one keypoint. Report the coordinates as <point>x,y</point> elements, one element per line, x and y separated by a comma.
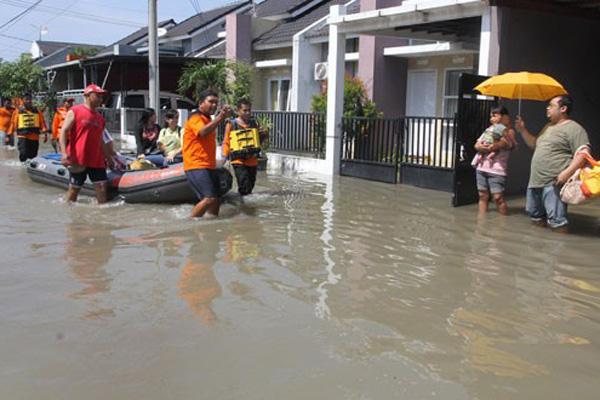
<point>308,290</point>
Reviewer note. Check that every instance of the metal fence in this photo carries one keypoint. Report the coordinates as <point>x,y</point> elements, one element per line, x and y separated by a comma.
<point>424,141</point>
<point>429,141</point>
<point>291,132</point>
<point>374,140</point>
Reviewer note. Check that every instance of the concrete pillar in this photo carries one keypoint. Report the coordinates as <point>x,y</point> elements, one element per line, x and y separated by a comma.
<point>489,47</point>
<point>384,78</point>
<point>238,44</point>
<point>304,58</point>
<point>335,94</point>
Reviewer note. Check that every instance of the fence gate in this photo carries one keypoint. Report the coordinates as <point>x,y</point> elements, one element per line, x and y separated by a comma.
<point>370,148</point>
<point>473,118</point>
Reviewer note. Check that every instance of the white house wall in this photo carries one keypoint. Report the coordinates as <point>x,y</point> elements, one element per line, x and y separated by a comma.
<point>264,75</point>
<point>441,64</point>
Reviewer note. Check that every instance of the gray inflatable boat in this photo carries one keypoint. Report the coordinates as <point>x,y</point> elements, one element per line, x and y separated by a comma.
<point>159,185</point>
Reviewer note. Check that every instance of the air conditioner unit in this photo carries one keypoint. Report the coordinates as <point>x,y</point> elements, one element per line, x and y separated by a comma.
<point>320,71</point>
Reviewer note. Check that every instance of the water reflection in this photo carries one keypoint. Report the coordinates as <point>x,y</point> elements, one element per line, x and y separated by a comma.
<point>88,251</point>
<point>328,209</point>
<point>198,284</point>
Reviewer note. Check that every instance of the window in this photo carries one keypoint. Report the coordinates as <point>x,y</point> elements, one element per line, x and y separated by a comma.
<point>165,103</point>
<point>451,91</point>
<point>134,101</point>
<point>185,105</point>
<point>279,91</point>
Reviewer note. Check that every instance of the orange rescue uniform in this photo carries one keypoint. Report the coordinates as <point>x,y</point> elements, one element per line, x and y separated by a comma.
<point>199,152</point>
<point>59,119</point>
<point>29,127</point>
<point>6,115</point>
<point>249,161</point>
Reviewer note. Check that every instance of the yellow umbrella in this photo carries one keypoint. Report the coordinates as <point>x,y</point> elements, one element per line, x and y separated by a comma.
<point>522,86</point>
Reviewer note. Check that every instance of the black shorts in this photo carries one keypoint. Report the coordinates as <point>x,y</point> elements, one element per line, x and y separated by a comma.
<point>204,182</point>
<point>97,175</point>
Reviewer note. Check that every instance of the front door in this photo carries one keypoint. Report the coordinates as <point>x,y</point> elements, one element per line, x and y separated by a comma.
<point>421,96</point>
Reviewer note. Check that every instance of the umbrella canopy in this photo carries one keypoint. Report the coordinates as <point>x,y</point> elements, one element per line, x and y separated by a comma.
<point>521,85</point>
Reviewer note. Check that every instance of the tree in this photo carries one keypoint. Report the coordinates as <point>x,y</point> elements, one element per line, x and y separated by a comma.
<point>20,76</point>
<point>80,51</point>
<point>197,77</point>
<point>232,79</point>
<point>239,81</point>
<point>356,102</point>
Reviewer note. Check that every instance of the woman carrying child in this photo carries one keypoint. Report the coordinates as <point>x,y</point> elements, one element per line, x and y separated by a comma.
<point>146,133</point>
<point>491,162</point>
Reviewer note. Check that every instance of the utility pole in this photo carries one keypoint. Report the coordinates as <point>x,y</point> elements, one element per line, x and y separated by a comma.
<point>153,68</point>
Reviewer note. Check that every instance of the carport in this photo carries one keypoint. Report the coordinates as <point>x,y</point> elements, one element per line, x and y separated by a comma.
<point>552,36</point>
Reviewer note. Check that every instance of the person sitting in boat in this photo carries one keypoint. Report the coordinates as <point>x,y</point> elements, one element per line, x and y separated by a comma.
<point>245,167</point>
<point>146,133</point>
<point>169,142</point>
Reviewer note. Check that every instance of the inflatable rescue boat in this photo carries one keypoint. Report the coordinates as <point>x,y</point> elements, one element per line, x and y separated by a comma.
<point>158,185</point>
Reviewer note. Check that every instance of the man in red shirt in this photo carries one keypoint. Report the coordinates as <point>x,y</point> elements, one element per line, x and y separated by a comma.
<point>85,152</point>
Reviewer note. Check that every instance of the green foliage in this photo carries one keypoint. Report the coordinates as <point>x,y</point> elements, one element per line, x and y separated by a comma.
<point>80,51</point>
<point>20,76</point>
<point>356,102</point>
<point>233,80</point>
<point>197,77</point>
<point>265,122</point>
<point>239,84</point>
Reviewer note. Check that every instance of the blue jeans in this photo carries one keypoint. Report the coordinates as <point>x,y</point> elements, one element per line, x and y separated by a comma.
<point>545,204</point>
<point>160,161</point>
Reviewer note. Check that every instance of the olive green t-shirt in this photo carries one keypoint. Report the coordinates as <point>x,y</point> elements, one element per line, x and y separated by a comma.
<point>554,150</point>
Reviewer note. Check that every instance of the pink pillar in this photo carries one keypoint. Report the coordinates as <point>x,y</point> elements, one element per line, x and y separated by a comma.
<point>238,45</point>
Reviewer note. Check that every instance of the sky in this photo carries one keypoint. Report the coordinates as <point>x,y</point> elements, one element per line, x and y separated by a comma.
<point>98,22</point>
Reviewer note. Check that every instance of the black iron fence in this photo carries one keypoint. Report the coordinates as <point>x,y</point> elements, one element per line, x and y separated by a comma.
<point>429,141</point>
<point>375,140</point>
<point>296,133</point>
<point>425,141</point>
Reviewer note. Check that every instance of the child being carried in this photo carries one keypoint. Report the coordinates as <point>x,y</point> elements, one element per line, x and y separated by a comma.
<point>493,134</point>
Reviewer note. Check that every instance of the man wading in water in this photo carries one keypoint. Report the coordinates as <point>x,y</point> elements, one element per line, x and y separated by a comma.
<point>85,152</point>
<point>199,153</point>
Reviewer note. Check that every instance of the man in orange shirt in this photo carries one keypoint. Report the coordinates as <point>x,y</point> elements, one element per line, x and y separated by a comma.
<point>6,114</point>
<point>199,153</point>
<point>59,118</point>
<point>28,123</point>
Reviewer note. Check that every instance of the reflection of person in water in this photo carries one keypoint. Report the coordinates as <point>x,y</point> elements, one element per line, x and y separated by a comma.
<point>198,284</point>
<point>87,253</point>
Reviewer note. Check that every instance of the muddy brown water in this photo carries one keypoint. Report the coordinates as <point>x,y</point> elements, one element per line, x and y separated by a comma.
<point>308,290</point>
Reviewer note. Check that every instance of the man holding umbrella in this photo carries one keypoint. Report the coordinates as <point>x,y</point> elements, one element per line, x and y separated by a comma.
<point>554,160</point>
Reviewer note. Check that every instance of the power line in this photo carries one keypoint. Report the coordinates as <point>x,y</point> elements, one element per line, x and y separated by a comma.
<point>15,38</point>
<point>73,14</point>
<point>22,14</point>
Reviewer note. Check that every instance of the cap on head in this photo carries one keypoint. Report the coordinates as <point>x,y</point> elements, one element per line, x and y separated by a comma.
<point>93,88</point>
<point>68,100</point>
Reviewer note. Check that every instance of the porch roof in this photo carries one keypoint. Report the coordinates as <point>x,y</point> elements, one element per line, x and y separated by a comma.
<point>431,19</point>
